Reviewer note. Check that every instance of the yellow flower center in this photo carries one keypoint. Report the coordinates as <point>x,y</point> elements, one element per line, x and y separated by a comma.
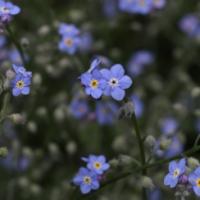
<point>87,180</point>
<point>20,84</point>
<point>176,172</point>
<point>69,42</point>
<point>97,165</point>
<point>94,83</point>
<point>198,182</point>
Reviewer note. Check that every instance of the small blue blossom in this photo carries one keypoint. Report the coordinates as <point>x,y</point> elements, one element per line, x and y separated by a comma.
<point>8,8</point>
<point>79,108</point>
<point>116,82</point>
<point>106,112</point>
<point>136,6</point>
<point>2,40</point>
<point>138,105</point>
<point>176,169</point>
<point>97,164</point>
<point>169,125</point>
<point>19,69</point>
<point>159,4</point>
<point>69,44</point>
<point>68,29</point>
<point>189,24</point>
<point>194,179</point>
<point>110,8</point>
<point>139,61</point>
<point>94,83</point>
<point>20,85</point>
<point>86,42</point>
<point>87,180</point>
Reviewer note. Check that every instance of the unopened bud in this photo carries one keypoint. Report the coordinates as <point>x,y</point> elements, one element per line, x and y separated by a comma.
<point>3,152</point>
<point>10,74</point>
<point>165,143</point>
<point>193,163</point>
<point>147,182</point>
<point>17,118</point>
<point>126,111</point>
<point>150,141</point>
<point>114,163</point>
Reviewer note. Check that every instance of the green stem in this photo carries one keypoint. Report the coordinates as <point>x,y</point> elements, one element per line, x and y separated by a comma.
<point>4,107</point>
<point>16,43</point>
<point>142,151</point>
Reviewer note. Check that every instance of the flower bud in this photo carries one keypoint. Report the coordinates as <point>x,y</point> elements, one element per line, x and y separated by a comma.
<point>71,147</point>
<point>126,111</point>
<point>164,143</point>
<point>147,182</point>
<point>150,141</point>
<point>193,163</point>
<point>10,74</point>
<point>17,118</point>
<point>3,152</point>
<point>114,163</point>
<point>125,159</point>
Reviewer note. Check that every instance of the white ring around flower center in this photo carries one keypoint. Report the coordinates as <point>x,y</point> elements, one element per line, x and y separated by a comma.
<point>113,82</point>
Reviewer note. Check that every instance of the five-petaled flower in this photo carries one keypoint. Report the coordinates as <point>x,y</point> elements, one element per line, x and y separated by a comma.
<point>116,82</point>
<point>194,179</point>
<point>87,180</point>
<point>97,164</point>
<point>94,83</point>
<point>176,169</point>
<point>21,82</point>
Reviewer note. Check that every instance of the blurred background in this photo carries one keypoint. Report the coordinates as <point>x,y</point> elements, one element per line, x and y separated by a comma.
<point>47,132</point>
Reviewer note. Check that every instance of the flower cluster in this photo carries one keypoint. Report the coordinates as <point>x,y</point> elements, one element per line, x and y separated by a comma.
<point>7,10</point>
<point>141,6</point>
<point>21,82</point>
<point>89,178</point>
<point>178,176</point>
<point>190,24</point>
<point>111,82</point>
<point>70,38</point>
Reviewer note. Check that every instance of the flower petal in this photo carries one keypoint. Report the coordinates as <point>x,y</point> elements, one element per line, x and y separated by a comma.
<point>125,82</point>
<point>118,94</point>
<point>117,71</point>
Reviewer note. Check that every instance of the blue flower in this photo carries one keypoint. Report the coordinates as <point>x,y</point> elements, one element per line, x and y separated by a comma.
<point>21,85</point>
<point>68,29</point>
<point>136,6</point>
<point>94,84</point>
<point>106,112</point>
<point>2,41</point>
<point>189,24</point>
<point>86,41</point>
<point>116,82</point>
<point>18,69</point>
<point>79,108</point>
<point>194,179</point>
<point>97,164</point>
<point>169,125</point>
<point>69,44</point>
<point>176,169</point>
<point>87,180</point>
<point>138,62</point>
<point>158,4</point>
<point>138,105</point>
<point>8,8</point>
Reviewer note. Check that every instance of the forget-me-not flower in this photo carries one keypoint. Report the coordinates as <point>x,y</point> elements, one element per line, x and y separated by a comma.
<point>116,82</point>
<point>97,164</point>
<point>194,179</point>
<point>87,180</point>
<point>176,169</point>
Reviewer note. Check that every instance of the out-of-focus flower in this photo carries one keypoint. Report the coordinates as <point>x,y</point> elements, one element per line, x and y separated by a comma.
<point>97,164</point>
<point>7,9</point>
<point>86,42</point>
<point>70,40</point>
<point>154,194</point>
<point>139,61</point>
<point>69,44</point>
<point>138,105</point>
<point>116,82</point>
<point>176,169</point>
<point>15,57</point>
<point>136,6</point>
<point>110,8</point>
<point>68,29</point>
<point>159,4</point>
<point>106,112</point>
<point>87,180</point>
<point>189,24</point>
<point>94,83</point>
<point>169,125</point>
<point>2,40</point>
<point>79,108</point>
<point>194,179</point>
